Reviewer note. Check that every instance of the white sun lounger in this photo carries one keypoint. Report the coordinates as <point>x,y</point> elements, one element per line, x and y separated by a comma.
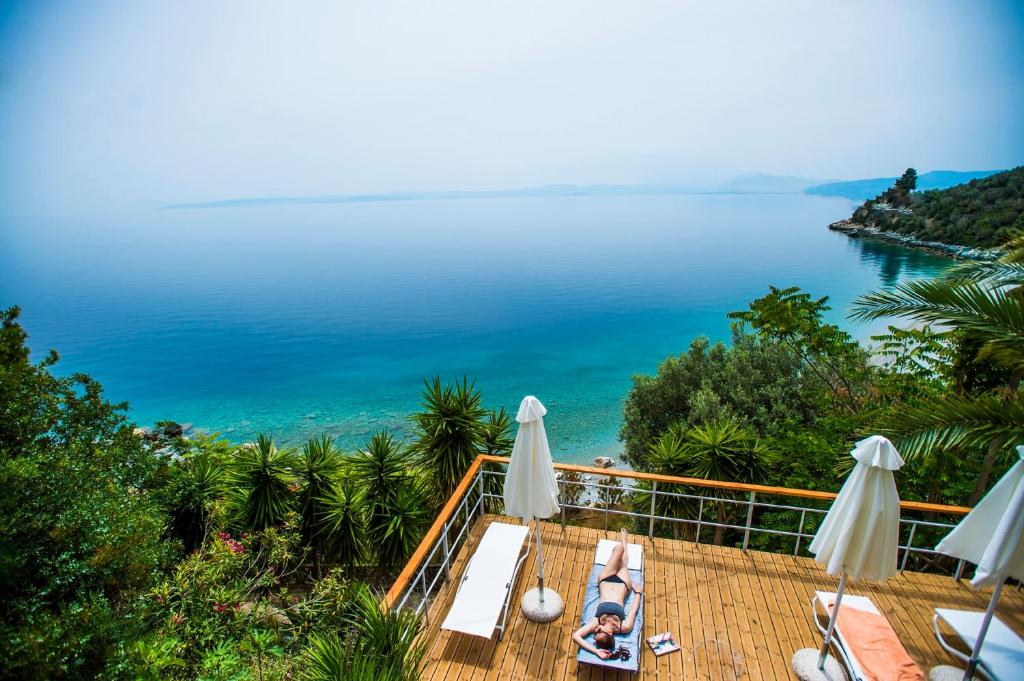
<point>487,582</point>
<point>849,660</point>
<point>1002,653</point>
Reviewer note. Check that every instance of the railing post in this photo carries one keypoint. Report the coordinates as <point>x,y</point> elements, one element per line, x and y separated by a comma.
<point>426,599</point>
<point>959,570</point>
<point>700,517</point>
<point>480,487</point>
<point>910,544</point>
<point>447,553</point>
<point>750,519</point>
<point>799,533</point>
<point>654,494</point>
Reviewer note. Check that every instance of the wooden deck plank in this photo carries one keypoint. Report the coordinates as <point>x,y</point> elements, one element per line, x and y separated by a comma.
<point>720,602</point>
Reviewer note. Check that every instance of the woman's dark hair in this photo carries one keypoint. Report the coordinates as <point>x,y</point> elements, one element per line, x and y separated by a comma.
<point>604,640</point>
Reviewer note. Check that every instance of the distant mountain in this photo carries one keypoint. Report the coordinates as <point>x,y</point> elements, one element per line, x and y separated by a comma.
<point>767,184</point>
<point>983,213</point>
<point>862,190</point>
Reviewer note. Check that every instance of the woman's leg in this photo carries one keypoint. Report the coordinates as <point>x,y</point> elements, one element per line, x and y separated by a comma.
<point>623,571</point>
<point>614,563</point>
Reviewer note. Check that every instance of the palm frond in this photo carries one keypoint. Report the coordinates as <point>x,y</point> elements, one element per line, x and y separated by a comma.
<point>954,421</point>
<point>990,312</point>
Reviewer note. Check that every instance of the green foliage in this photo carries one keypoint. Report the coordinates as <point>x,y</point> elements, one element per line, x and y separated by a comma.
<point>385,648</point>
<point>907,182</point>
<point>982,213</point>
<point>791,317</point>
<point>260,484</point>
<point>496,437</point>
<point>83,526</point>
<point>757,381</point>
<point>344,522</point>
<point>316,467</point>
<point>397,499</point>
<point>448,433</point>
<point>195,485</point>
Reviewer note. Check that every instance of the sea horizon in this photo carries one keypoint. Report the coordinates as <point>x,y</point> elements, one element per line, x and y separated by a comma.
<point>297,320</point>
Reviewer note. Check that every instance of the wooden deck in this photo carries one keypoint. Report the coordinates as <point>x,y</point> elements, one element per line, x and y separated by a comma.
<point>737,615</point>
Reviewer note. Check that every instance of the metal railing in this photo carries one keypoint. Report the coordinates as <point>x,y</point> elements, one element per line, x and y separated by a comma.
<point>430,565</point>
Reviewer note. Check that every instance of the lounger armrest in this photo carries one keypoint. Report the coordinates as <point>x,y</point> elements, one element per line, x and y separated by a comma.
<point>508,587</point>
<point>815,602</point>
<point>945,646</point>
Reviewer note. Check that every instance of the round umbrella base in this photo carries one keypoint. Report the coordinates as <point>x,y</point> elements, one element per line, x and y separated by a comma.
<point>944,672</point>
<point>805,666</point>
<point>541,611</point>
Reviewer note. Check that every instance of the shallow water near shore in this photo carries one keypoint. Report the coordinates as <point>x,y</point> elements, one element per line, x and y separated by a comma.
<point>297,320</point>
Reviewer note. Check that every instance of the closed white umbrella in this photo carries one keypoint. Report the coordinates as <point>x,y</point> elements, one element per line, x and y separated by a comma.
<point>860,534</point>
<point>531,492</point>
<point>991,536</point>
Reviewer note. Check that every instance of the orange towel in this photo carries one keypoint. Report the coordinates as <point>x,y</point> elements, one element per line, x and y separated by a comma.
<point>871,639</point>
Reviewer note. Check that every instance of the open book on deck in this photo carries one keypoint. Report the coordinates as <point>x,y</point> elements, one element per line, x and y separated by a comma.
<point>663,643</point>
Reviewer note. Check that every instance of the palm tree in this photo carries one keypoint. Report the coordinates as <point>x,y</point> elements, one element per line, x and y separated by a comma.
<point>344,522</point>
<point>448,433</point>
<point>717,450</point>
<point>496,436</point>
<point>396,498</point>
<point>260,479</point>
<point>317,467</point>
<point>200,480</point>
<point>984,302</point>
<point>384,645</point>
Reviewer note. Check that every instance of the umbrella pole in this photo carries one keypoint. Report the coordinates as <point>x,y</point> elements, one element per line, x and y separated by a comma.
<point>972,664</point>
<point>832,622</point>
<point>540,563</point>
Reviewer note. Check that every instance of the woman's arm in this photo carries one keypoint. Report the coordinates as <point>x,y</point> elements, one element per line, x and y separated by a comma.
<point>627,626</point>
<point>587,630</point>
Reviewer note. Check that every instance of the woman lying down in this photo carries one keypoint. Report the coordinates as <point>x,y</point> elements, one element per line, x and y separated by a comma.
<point>613,585</point>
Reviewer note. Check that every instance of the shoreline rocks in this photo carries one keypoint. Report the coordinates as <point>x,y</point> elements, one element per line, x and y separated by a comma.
<point>857,230</point>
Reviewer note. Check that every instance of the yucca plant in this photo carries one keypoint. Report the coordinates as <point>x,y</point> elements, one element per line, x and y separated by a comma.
<point>396,500</point>
<point>381,646</point>
<point>448,433</point>
<point>199,481</point>
<point>260,480</point>
<point>496,437</point>
<point>318,465</point>
<point>718,450</point>
<point>344,522</point>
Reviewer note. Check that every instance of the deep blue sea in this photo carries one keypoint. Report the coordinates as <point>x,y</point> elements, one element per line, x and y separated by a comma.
<point>301,319</point>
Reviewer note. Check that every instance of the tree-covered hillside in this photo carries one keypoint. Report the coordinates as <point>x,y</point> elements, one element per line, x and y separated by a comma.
<point>981,213</point>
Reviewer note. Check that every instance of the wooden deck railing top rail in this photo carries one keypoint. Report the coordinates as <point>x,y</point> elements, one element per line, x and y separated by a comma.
<point>446,514</point>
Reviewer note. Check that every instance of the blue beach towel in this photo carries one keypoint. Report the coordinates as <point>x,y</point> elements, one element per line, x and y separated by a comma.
<point>630,641</point>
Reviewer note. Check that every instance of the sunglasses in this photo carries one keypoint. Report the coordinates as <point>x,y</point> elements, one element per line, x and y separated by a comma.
<point>621,654</point>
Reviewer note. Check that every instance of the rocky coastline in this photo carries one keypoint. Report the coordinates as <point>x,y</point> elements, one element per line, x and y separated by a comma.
<point>857,230</point>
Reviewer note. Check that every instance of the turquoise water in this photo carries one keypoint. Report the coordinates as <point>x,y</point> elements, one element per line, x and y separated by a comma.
<point>296,320</point>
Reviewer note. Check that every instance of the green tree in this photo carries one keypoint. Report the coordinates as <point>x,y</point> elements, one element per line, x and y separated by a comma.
<point>344,520</point>
<point>983,303</point>
<point>718,450</point>
<point>397,499</point>
<point>260,484</point>
<point>318,465</point>
<point>83,526</point>
<point>791,317</point>
<point>196,483</point>
<point>448,433</point>
<point>756,380</point>
<point>907,182</point>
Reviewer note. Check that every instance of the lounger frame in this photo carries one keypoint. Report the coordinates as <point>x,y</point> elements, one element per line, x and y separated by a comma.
<point>523,553</point>
<point>966,659</point>
<point>851,668</point>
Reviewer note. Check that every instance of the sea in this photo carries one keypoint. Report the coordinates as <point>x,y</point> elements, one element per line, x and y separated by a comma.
<point>297,320</point>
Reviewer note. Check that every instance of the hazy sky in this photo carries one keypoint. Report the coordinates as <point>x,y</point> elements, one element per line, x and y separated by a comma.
<point>131,103</point>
